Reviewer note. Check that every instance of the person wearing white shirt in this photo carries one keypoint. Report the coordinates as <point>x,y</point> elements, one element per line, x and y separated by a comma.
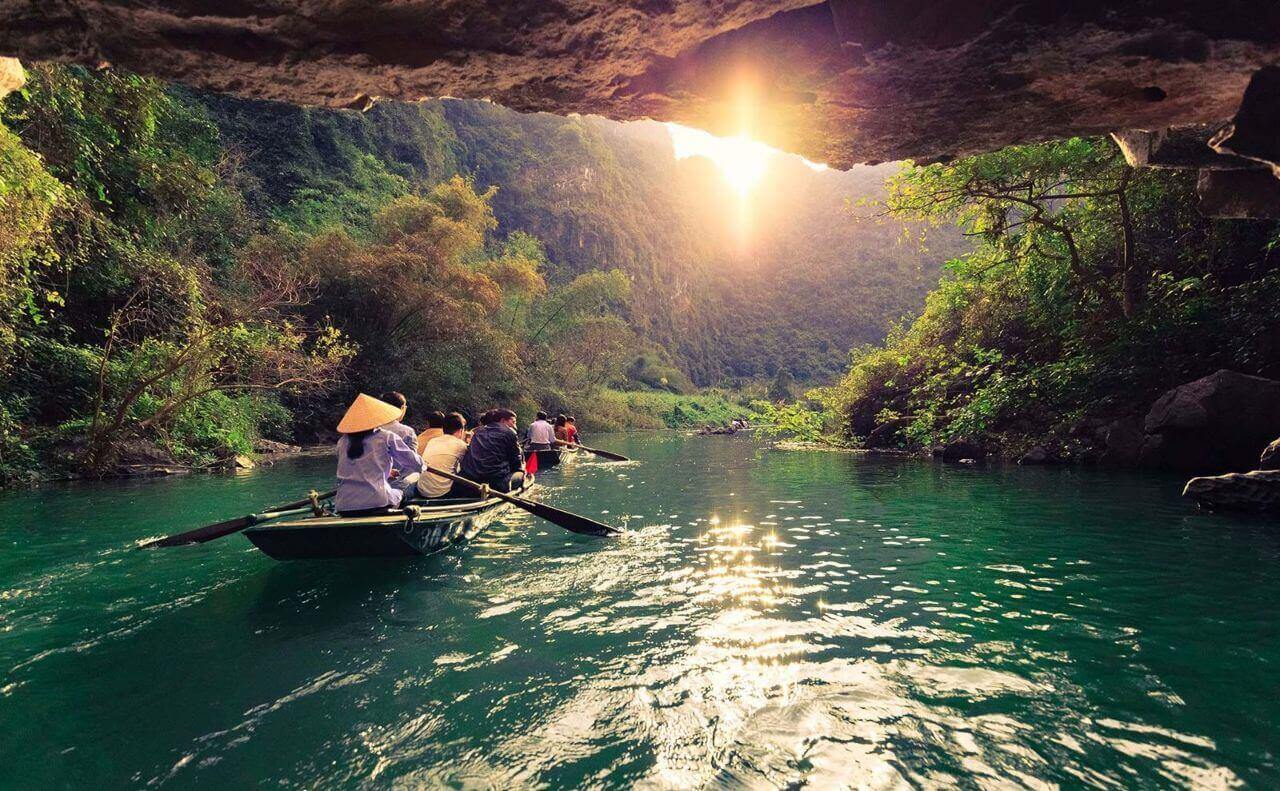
<point>542,435</point>
<point>443,452</point>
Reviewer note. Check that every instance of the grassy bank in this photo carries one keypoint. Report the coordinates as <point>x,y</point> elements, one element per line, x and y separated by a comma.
<point>615,410</point>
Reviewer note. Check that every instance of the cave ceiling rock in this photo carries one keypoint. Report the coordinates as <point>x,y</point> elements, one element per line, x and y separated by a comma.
<point>840,82</point>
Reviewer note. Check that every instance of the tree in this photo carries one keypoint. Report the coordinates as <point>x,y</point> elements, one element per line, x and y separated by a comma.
<point>1065,201</point>
<point>783,386</point>
<point>240,339</point>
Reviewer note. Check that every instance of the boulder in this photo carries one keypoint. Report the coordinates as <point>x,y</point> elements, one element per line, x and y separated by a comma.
<point>962,451</point>
<point>271,446</point>
<point>1270,457</point>
<point>1039,455</point>
<point>142,457</point>
<point>1238,194</point>
<point>143,452</point>
<point>242,462</point>
<point>12,77</point>
<point>1219,422</point>
<point>1122,441</point>
<point>1087,427</point>
<point>1257,491</point>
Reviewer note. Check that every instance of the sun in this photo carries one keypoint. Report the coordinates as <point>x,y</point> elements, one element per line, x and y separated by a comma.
<point>742,161</point>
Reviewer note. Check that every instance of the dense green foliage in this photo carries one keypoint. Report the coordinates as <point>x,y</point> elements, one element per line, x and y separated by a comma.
<point>181,273</point>
<point>1094,288</point>
<point>805,283</point>
<point>127,307</point>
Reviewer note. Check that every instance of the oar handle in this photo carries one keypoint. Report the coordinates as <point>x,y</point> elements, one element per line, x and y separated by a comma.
<point>298,503</point>
<point>479,487</point>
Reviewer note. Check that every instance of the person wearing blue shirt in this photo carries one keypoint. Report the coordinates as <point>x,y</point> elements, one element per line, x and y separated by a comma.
<point>493,457</point>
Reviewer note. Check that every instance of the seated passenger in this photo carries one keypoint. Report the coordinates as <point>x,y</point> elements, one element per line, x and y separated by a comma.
<point>561,429</point>
<point>493,457</point>
<point>367,454</point>
<point>443,452</point>
<point>400,478</point>
<point>435,427</point>
<point>542,436</point>
<point>396,427</point>
<point>572,428</point>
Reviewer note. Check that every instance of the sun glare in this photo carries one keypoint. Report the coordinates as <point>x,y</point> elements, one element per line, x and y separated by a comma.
<point>742,161</point>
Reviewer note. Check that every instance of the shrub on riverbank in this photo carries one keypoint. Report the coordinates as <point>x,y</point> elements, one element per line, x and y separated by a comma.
<point>1095,288</point>
<point>614,410</point>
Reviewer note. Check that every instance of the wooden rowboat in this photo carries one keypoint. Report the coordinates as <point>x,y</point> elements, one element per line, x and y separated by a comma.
<point>419,529</point>
<point>553,457</point>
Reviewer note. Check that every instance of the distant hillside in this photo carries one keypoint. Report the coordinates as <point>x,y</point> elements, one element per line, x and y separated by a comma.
<point>805,282</point>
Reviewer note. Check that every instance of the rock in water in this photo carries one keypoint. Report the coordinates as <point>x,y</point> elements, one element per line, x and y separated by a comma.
<point>1270,457</point>
<point>1256,491</point>
<point>1123,441</point>
<point>1038,455</point>
<point>1219,422</point>
<point>271,446</point>
<point>963,451</point>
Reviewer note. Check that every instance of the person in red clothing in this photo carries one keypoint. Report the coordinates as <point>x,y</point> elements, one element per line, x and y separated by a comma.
<point>571,430</point>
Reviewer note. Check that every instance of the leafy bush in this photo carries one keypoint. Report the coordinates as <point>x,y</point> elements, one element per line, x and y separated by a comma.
<point>799,420</point>
<point>611,410</point>
<point>1095,288</point>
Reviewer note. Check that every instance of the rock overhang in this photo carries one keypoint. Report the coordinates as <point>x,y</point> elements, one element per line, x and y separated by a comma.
<point>839,82</point>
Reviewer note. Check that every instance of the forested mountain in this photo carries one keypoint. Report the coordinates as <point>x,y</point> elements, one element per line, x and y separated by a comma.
<point>181,274</point>
<point>806,282</point>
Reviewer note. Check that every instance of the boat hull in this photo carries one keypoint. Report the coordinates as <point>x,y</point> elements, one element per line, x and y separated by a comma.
<point>546,458</point>
<point>552,458</point>
<point>397,534</point>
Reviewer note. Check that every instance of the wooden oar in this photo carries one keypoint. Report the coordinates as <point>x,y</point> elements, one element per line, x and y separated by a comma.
<point>210,532</point>
<point>571,522</point>
<point>601,453</point>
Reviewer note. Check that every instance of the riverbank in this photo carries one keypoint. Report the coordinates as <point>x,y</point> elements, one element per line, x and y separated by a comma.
<point>623,410</point>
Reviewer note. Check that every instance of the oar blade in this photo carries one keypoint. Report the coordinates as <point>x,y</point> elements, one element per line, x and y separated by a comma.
<point>202,534</point>
<point>574,523</point>
<point>604,454</point>
<point>571,522</point>
<point>210,532</point>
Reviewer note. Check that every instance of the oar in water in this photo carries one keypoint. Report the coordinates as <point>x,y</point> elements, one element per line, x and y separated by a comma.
<point>210,532</point>
<point>604,454</point>
<point>571,522</point>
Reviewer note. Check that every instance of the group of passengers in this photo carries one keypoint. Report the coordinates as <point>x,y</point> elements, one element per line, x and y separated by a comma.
<point>383,463</point>
<point>545,433</point>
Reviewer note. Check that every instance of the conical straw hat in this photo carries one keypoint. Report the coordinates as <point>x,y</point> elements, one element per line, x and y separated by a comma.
<point>367,412</point>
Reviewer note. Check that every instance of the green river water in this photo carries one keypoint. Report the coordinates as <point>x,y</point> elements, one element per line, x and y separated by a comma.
<point>771,619</point>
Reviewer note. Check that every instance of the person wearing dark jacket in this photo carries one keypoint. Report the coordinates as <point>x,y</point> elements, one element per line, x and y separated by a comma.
<point>494,456</point>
